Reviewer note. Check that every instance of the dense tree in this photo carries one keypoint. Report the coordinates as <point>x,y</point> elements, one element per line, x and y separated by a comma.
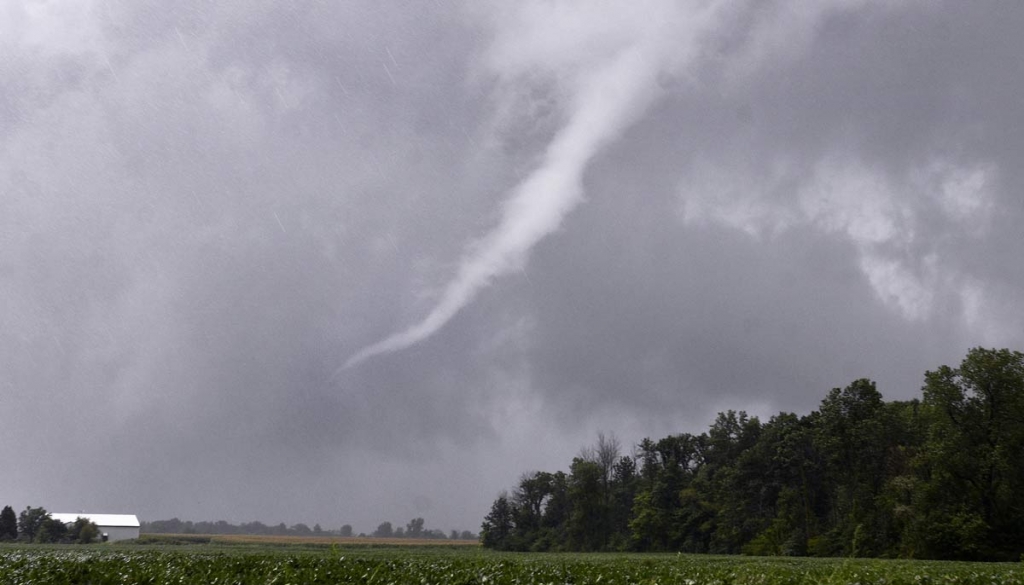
<point>496,530</point>
<point>975,457</point>
<point>346,530</point>
<point>938,478</point>
<point>8,524</point>
<point>588,524</point>
<point>384,530</point>
<point>414,529</point>
<point>82,531</point>
<point>30,521</point>
<point>50,531</point>
<point>852,436</point>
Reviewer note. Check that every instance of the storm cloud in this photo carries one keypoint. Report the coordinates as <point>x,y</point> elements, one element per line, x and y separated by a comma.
<point>541,220</point>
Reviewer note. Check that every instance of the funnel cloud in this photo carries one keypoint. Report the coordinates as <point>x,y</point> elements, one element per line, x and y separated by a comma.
<point>220,223</point>
<point>603,97</point>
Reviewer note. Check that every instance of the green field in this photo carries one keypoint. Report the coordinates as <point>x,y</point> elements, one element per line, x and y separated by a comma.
<point>300,564</point>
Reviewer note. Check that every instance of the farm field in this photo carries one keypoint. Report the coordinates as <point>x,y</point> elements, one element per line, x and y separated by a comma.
<point>353,541</point>
<point>315,564</point>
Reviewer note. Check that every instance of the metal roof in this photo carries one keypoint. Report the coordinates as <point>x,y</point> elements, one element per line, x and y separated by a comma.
<point>126,520</point>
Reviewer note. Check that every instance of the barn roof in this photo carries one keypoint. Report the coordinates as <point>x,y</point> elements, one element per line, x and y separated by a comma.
<point>126,520</point>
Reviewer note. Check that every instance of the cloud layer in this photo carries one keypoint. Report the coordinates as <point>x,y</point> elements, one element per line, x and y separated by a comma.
<point>576,217</point>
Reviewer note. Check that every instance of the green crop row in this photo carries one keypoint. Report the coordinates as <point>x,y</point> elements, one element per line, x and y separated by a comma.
<point>100,566</point>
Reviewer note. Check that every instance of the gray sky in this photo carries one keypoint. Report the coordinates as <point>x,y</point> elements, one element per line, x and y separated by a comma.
<point>344,262</point>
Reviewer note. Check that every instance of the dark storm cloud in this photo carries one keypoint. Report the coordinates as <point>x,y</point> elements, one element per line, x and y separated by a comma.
<point>206,209</point>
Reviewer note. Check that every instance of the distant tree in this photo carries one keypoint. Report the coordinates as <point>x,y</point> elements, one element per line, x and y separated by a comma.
<point>172,526</point>
<point>467,535</point>
<point>399,532</point>
<point>498,525</point>
<point>414,529</point>
<point>301,529</point>
<point>8,524</point>
<point>346,530</point>
<point>254,528</point>
<point>384,530</point>
<point>454,535</point>
<point>317,529</point>
<point>534,489</point>
<point>605,454</point>
<point>50,530</point>
<point>29,522</point>
<point>82,531</point>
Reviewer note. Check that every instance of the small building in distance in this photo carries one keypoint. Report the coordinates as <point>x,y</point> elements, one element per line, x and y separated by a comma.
<point>113,527</point>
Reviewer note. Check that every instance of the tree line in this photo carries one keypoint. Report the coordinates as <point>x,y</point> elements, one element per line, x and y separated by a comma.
<point>414,529</point>
<point>37,526</point>
<point>938,477</point>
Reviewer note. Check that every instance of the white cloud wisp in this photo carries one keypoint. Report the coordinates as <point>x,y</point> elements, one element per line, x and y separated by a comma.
<point>606,95</point>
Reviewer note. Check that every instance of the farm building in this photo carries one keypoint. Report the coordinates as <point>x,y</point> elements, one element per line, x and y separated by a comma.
<point>113,527</point>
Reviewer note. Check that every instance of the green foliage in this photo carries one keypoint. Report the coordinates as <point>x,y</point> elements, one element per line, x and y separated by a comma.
<point>83,531</point>
<point>30,521</point>
<point>172,539</point>
<point>50,531</point>
<point>496,530</point>
<point>859,477</point>
<point>975,457</point>
<point>8,524</point>
<point>414,529</point>
<point>53,566</point>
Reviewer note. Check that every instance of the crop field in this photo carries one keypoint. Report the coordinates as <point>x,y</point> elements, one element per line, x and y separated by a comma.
<point>244,564</point>
<point>277,540</point>
<point>341,541</point>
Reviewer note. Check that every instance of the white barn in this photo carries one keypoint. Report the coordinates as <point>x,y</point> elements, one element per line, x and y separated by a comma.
<point>113,527</point>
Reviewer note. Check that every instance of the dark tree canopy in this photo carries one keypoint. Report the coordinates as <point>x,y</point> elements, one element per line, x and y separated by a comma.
<point>30,521</point>
<point>8,524</point>
<point>940,477</point>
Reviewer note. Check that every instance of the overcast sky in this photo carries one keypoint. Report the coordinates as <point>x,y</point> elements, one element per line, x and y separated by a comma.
<point>345,262</point>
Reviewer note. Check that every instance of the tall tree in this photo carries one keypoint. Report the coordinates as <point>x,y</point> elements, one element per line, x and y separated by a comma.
<point>854,445</point>
<point>50,530</point>
<point>975,456</point>
<point>29,522</point>
<point>938,478</point>
<point>82,531</point>
<point>8,524</point>
<point>414,529</point>
<point>667,468</point>
<point>497,526</point>
<point>588,522</point>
